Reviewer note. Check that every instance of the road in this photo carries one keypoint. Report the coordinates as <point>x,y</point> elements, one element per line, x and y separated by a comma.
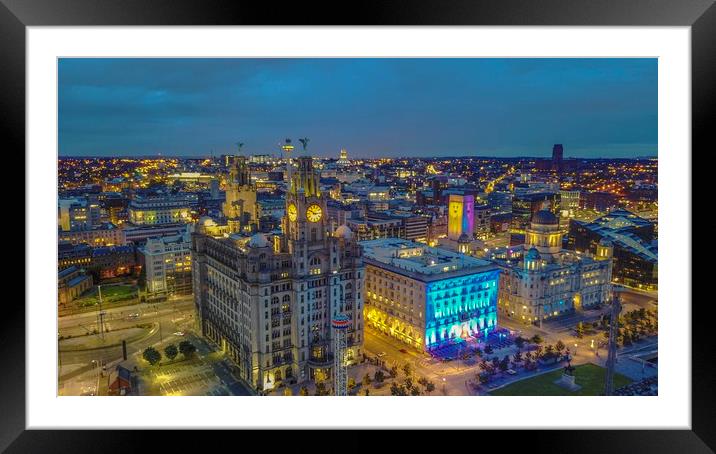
<point>165,319</point>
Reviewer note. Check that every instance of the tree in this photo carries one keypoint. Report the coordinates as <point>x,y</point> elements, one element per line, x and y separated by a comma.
<point>517,357</point>
<point>495,362</point>
<point>186,348</point>
<point>351,383</point>
<point>549,350</point>
<point>520,341</point>
<point>171,352</point>
<point>536,339</point>
<point>367,391</point>
<point>379,376</point>
<point>484,365</point>
<point>366,379</point>
<point>407,369</point>
<point>423,381</point>
<point>408,382</point>
<point>303,391</point>
<point>429,387</point>
<point>152,355</point>
<point>397,390</point>
<point>484,378</point>
<point>393,371</point>
<point>504,364</point>
<point>478,352</point>
<point>414,391</point>
<point>559,346</point>
<point>538,352</point>
<point>580,330</point>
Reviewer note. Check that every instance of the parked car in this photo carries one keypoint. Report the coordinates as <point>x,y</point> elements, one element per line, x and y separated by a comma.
<point>402,350</point>
<point>511,371</point>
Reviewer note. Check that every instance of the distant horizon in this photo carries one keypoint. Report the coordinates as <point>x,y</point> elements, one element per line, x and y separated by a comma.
<point>276,155</point>
<point>416,107</point>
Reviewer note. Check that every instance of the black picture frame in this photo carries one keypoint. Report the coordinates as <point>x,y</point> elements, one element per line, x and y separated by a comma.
<point>700,15</point>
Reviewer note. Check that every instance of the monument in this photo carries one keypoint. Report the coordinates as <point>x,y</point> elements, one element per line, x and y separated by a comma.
<point>567,379</point>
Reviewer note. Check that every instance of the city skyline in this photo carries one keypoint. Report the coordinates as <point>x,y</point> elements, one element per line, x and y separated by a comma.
<point>199,107</point>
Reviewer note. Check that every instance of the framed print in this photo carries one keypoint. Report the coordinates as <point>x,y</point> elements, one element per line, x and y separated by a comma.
<point>431,217</point>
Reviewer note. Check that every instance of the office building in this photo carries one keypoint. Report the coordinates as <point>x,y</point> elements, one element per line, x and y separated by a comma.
<point>166,263</point>
<point>106,234</point>
<point>636,255</point>
<point>162,209</point>
<point>427,297</point>
<point>268,300</point>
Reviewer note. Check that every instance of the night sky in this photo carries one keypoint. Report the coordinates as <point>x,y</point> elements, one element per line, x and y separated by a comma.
<point>371,107</point>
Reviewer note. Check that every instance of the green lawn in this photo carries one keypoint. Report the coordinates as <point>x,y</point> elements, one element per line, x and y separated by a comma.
<point>110,294</point>
<point>589,376</point>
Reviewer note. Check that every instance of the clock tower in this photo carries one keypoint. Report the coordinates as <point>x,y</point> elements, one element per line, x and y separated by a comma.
<point>305,219</point>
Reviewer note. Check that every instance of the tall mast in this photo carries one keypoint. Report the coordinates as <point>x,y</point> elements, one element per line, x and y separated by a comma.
<point>612,347</point>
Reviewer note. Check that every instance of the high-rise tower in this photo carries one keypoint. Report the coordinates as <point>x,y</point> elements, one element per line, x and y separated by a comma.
<point>557,155</point>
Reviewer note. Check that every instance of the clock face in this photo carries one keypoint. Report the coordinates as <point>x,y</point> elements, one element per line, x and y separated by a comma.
<point>313,213</point>
<point>292,213</point>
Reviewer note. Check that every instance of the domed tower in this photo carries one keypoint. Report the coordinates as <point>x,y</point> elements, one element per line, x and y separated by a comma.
<point>532,260</point>
<point>544,234</point>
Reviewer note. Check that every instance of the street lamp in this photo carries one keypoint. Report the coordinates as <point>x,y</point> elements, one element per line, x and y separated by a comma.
<point>444,392</point>
<point>575,349</point>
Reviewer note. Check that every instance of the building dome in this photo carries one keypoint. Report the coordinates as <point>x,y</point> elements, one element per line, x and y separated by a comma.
<point>258,240</point>
<point>464,238</point>
<point>344,232</point>
<point>533,254</point>
<point>206,221</point>
<point>545,217</point>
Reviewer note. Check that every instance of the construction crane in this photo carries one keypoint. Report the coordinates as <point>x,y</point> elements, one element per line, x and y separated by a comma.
<point>612,346</point>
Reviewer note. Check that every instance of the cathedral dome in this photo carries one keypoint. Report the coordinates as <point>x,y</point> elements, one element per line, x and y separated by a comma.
<point>545,217</point>
<point>344,232</point>
<point>258,240</point>
<point>532,254</point>
<point>206,221</point>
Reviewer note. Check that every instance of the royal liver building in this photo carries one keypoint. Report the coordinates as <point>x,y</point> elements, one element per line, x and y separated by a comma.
<point>268,299</point>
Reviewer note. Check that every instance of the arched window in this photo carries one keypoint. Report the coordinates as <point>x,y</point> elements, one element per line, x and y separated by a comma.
<point>274,300</point>
<point>286,298</point>
<point>315,261</point>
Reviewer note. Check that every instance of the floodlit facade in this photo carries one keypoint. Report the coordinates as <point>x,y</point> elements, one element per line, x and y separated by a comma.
<point>426,297</point>
<point>166,209</point>
<point>240,209</point>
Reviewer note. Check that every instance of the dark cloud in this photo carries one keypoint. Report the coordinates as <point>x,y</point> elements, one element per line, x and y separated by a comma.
<point>372,107</point>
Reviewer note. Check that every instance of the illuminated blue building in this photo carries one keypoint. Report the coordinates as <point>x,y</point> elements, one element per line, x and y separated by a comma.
<point>427,297</point>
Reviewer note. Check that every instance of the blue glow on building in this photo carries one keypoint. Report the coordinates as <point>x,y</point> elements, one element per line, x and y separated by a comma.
<point>459,307</point>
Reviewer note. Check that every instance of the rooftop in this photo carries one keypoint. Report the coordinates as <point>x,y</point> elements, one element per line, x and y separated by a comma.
<point>420,261</point>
